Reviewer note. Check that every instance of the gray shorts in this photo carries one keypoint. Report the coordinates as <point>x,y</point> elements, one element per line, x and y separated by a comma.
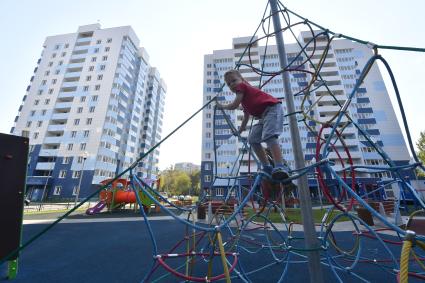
<point>270,125</point>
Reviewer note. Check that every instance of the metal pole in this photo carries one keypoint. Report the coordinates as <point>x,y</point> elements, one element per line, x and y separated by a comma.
<point>79,182</point>
<point>311,241</point>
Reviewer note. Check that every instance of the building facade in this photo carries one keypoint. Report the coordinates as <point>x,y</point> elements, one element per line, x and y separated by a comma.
<point>371,108</point>
<point>187,167</point>
<point>93,106</point>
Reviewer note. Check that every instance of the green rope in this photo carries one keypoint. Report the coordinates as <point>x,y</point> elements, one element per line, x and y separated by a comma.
<point>391,47</point>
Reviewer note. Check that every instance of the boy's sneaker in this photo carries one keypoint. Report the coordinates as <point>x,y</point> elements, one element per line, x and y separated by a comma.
<point>267,170</point>
<point>280,173</point>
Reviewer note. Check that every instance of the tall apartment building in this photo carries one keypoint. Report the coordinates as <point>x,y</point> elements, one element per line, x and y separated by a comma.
<point>371,108</point>
<point>94,105</point>
<point>187,167</point>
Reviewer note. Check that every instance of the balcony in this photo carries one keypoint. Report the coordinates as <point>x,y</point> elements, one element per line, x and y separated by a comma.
<point>80,48</point>
<point>78,56</point>
<point>49,166</point>
<point>48,152</point>
<point>66,94</point>
<point>84,39</point>
<point>60,116</point>
<point>53,139</point>
<point>63,105</point>
<point>70,84</point>
<point>56,128</point>
<point>72,75</point>
<point>75,65</point>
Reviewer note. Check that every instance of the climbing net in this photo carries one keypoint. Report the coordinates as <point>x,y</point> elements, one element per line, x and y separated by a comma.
<point>250,232</point>
<point>236,239</point>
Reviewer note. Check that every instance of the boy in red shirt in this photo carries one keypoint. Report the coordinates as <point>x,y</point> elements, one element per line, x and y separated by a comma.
<point>270,114</point>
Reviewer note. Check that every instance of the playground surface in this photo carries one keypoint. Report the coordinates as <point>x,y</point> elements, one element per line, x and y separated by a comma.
<point>120,250</point>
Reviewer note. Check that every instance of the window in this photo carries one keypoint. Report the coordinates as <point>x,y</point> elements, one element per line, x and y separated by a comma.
<point>102,67</point>
<point>54,81</point>
<point>60,63</point>
<point>99,41</point>
<point>57,72</point>
<point>82,98</point>
<point>75,190</point>
<point>73,134</point>
<point>86,133</point>
<point>54,55</point>
<point>219,191</point>
<point>57,46</point>
<point>43,112</point>
<point>207,166</point>
<point>70,146</point>
<point>57,190</point>
<point>43,82</point>
<point>107,49</point>
<point>76,121</point>
<point>80,159</point>
<point>32,113</point>
<point>50,64</point>
<point>104,58</point>
<point>94,98</point>
<point>83,146</point>
<point>39,123</point>
<point>93,59</point>
<point>79,109</point>
<point>47,73</point>
<point>91,110</point>
<point>109,40</point>
<point>207,178</point>
<point>40,92</point>
<point>67,45</point>
<point>62,174</point>
<point>63,54</point>
<point>51,91</point>
<point>88,78</point>
<point>76,174</point>
<point>66,160</point>
<point>47,101</point>
<point>97,87</point>
<point>88,121</point>
<point>29,124</point>
<point>91,68</point>
<point>207,155</point>
<point>99,77</point>
<point>36,102</point>
<point>35,136</point>
<point>96,50</point>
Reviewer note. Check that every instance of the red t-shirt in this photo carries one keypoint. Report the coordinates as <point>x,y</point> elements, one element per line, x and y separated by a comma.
<point>255,101</point>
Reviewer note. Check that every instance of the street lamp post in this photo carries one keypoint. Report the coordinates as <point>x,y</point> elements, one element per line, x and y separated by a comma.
<point>85,154</point>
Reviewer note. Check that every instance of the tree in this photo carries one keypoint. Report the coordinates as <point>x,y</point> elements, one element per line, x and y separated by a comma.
<point>177,182</point>
<point>421,152</point>
<point>195,178</point>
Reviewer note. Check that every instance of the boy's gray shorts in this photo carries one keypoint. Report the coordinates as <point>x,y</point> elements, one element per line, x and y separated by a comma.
<point>270,125</point>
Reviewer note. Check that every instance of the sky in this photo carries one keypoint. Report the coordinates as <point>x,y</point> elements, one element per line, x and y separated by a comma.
<point>177,35</point>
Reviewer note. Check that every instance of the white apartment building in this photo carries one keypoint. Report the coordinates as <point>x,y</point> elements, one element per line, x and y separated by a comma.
<point>187,167</point>
<point>93,106</point>
<point>371,108</point>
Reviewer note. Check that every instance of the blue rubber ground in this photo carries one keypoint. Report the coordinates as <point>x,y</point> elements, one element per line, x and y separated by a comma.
<point>122,252</point>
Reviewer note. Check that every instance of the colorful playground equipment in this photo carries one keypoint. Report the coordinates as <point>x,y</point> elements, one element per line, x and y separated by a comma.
<point>118,194</point>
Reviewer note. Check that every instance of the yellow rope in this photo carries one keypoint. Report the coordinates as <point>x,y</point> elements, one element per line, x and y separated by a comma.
<point>404,261</point>
<point>405,253</point>
<point>223,257</point>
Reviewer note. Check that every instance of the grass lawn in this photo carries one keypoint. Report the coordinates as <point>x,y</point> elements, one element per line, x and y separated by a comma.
<point>294,215</point>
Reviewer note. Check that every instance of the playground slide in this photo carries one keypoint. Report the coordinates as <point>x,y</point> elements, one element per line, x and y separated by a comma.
<point>97,208</point>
